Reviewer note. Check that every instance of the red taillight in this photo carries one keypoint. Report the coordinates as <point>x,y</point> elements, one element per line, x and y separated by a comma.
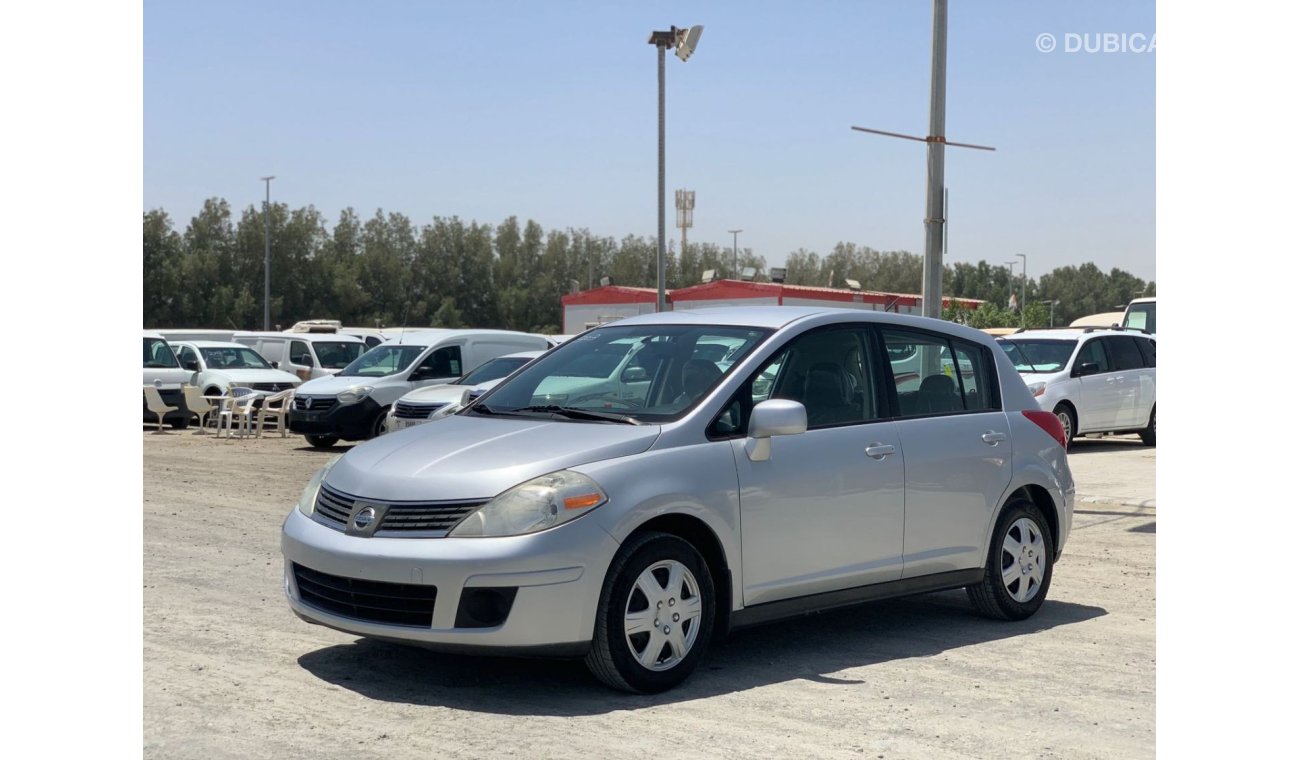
<point>1048,422</point>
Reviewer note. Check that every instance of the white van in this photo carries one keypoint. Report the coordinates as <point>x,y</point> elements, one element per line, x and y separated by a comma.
<point>174,334</point>
<point>353,405</point>
<point>307,355</point>
<point>221,364</point>
<point>164,372</point>
<point>1141,315</point>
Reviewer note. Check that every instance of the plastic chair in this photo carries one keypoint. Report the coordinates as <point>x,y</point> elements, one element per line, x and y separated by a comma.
<point>276,406</point>
<point>199,405</point>
<point>154,400</point>
<point>238,407</point>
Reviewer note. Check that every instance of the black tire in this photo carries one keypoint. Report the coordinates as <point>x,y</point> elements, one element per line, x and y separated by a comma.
<point>380,425</point>
<point>1069,420</point>
<point>321,441</point>
<point>992,597</point>
<point>612,658</point>
<point>1148,433</point>
<point>179,424</point>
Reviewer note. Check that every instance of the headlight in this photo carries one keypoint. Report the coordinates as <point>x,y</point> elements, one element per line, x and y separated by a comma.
<point>539,504</point>
<point>307,501</point>
<point>354,394</point>
<point>1036,389</point>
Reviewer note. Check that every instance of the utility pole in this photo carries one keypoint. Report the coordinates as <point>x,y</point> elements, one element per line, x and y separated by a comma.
<point>684,40</point>
<point>266,264</point>
<point>1024,278</point>
<point>1011,282</point>
<point>735,254</point>
<point>932,270</point>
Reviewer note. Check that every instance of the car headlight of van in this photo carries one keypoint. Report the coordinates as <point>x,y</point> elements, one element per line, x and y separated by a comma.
<point>1036,389</point>
<point>307,500</point>
<point>539,504</point>
<point>355,393</point>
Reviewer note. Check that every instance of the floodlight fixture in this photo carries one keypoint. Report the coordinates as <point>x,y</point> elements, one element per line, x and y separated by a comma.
<point>708,275</point>
<point>687,40</point>
<point>605,282</point>
<point>853,284</point>
<point>747,274</point>
<point>776,274</point>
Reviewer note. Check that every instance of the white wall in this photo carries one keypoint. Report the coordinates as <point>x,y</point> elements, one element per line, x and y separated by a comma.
<point>710,304</point>
<point>577,316</point>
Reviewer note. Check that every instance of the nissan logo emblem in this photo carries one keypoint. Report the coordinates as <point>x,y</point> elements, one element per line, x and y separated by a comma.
<point>362,519</point>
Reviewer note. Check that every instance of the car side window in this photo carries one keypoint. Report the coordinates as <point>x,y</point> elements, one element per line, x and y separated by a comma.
<point>1092,351</point>
<point>1148,349</point>
<point>926,381</point>
<point>445,362</point>
<point>300,353</point>
<point>1124,353</point>
<point>188,355</point>
<point>974,377</point>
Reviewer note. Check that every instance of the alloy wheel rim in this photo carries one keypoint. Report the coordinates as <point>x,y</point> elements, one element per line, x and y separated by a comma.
<point>1024,560</point>
<point>661,617</point>
<point>1064,417</point>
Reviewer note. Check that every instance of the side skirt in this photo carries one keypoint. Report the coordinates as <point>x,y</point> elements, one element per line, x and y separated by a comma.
<point>808,605</point>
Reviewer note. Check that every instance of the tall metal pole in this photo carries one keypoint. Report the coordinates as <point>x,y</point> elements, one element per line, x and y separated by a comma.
<point>1024,278</point>
<point>661,301</point>
<point>932,271</point>
<point>266,263</point>
<point>735,255</point>
<point>1011,282</point>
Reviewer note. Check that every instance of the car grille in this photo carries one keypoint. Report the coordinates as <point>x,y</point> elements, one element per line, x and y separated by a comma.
<point>273,387</point>
<point>411,411</point>
<point>368,601</point>
<point>318,403</point>
<point>401,519</point>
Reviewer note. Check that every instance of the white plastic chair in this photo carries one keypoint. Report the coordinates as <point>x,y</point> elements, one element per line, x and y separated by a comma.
<point>238,407</point>
<point>154,400</point>
<point>199,405</point>
<point>277,407</point>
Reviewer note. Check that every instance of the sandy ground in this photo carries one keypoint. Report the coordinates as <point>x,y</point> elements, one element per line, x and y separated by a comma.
<point>230,672</point>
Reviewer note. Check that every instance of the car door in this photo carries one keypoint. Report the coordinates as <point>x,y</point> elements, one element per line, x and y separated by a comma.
<point>1098,395</point>
<point>1127,370</point>
<point>825,511</point>
<point>956,448</point>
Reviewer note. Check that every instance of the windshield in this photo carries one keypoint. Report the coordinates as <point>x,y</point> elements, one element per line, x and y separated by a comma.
<point>1142,316</point>
<point>1039,355</point>
<point>642,373</point>
<point>332,355</point>
<point>158,354</point>
<point>493,370</point>
<point>381,361</point>
<point>233,358</point>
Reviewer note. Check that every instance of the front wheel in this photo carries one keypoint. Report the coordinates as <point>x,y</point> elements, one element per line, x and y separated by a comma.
<point>1019,567</point>
<point>655,615</point>
<point>321,441</point>
<point>1065,414</point>
<point>1148,434</point>
<point>180,423</point>
<point>381,424</point>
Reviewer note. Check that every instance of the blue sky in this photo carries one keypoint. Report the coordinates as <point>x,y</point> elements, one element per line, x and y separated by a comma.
<point>548,111</point>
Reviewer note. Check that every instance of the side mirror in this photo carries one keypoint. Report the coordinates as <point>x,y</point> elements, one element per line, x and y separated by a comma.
<point>275,365</point>
<point>634,375</point>
<point>1087,368</point>
<point>776,416</point>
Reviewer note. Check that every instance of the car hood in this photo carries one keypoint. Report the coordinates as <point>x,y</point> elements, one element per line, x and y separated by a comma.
<point>468,458</point>
<point>258,376</point>
<point>430,394</point>
<point>334,385</point>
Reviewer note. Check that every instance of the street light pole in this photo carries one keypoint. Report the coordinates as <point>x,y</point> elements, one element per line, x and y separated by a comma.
<point>735,256</point>
<point>1011,282</point>
<point>266,263</point>
<point>1024,278</point>
<point>684,41</point>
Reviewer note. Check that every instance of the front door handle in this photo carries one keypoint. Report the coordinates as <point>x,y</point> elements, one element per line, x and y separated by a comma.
<point>879,451</point>
<point>993,438</point>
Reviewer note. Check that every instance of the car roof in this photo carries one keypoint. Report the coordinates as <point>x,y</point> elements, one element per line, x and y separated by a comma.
<point>210,344</point>
<point>428,337</point>
<point>521,355</point>
<point>1073,333</point>
<point>776,317</point>
<point>331,337</point>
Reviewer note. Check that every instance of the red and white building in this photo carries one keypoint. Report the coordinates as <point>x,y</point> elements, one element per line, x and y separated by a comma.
<point>600,305</point>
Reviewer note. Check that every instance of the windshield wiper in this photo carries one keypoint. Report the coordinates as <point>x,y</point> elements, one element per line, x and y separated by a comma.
<point>573,412</point>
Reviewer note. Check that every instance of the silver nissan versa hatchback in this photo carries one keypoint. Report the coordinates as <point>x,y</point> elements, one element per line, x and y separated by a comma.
<point>744,465</point>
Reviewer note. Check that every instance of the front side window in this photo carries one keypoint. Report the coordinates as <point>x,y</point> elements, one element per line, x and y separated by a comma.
<point>336,355</point>
<point>187,356</point>
<point>1092,353</point>
<point>382,361</point>
<point>494,369</point>
<point>445,362</point>
<point>158,355</point>
<point>1148,349</point>
<point>231,358</point>
<point>299,353</point>
<point>640,373</point>
<point>1142,316</point>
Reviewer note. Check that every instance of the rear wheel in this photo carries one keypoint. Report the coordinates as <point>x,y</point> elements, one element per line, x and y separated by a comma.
<point>1148,433</point>
<point>1065,414</point>
<point>1019,567</point>
<point>321,441</point>
<point>655,615</point>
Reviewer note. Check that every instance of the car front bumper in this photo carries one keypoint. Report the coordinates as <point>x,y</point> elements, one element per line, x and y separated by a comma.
<point>554,579</point>
<point>351,422</point>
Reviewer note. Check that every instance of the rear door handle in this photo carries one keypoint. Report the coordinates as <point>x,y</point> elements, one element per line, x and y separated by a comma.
<point>993,438</point>
<point>880,450</point>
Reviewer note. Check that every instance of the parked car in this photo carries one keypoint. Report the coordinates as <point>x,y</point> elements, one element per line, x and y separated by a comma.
<point>221,364</point>
<point>353,405</point>
<point>307,355</point>
<point>1095,380</point>
<point>164,372</point>
<point>437,401</point>
<point>609,528</point>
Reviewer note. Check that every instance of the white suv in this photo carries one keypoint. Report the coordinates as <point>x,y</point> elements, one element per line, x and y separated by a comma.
<point>1096,380</point>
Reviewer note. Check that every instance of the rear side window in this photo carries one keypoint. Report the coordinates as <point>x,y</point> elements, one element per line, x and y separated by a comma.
<point>927,379</point>
<point>1148,349</point>
<point>974,376</point>
<point>1124,353</point>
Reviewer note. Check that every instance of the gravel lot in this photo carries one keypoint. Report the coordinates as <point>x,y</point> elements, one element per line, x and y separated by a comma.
<point>230,672</point>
